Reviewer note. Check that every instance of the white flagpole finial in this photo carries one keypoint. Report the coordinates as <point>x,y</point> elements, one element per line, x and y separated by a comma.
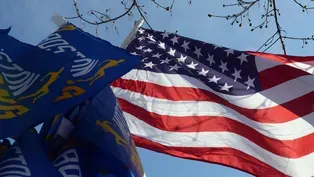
<point>132,33</point>
<point>59,20</point>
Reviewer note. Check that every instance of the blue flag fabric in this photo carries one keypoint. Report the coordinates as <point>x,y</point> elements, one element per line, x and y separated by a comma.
<point>38,84</point>
<point>4,147</point>
<point>79,158</point>
<point>76,160</point>
<point>96,59</point>
<point>102,124</point>
<point>27,158</point>
<point>30,80</point>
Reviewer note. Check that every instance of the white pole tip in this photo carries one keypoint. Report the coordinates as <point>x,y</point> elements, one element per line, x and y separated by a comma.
<point>58,20</point>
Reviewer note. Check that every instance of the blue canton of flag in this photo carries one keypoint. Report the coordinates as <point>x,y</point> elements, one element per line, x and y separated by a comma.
<point>224,70</point>
<point>102,124</point>
<point>27,158</point>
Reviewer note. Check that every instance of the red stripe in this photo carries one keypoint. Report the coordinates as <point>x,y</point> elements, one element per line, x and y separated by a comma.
<point>282,74</point>
<point>285,148</point>
<point>223,156</point>
<point>283,58</point>
<point>278,114</point>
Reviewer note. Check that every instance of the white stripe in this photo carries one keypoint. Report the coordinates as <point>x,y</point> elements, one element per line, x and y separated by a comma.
<point>305,66</point>
<point>266,99</point>
<point>284,131</point>
<point>264,63</point>
<point>299,167</point>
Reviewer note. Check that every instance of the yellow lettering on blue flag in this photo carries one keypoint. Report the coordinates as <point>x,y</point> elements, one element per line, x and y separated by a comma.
<point>12,110</point>
<point>107,128</point>
<point>66,94</point>
<point>45,88</point>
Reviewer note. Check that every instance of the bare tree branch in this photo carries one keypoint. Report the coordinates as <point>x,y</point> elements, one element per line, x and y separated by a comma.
<point>270,11</point>
<point>104,17</point>
<point>79,15</point>
<point>304,7</point>
<point>279,28</point>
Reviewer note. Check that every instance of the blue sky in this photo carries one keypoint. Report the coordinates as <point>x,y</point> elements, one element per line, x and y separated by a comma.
<point>30,21</point>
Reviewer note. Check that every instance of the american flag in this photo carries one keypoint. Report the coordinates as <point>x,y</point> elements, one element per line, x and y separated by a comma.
<point>195,100</point>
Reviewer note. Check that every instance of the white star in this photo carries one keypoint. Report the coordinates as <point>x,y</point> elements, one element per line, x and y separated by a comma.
<point>210,59</point>
<point>229,51</point>
<point>226,87</point>
<point>145,58</point>
<point>214,79</point>
<point>167,60</point>
<point>185,45</point>
<point>236,74</point>
<point>157,55</point>
<point>250,83</point>
<point>150,37</point>
<point>150,64</point>
<point>203,72</point>
<point>198,52</point>
<point>140,47</point>
<point>243,58</point>
<point>148,50</point>
<point>223,67</point>
<point>141,38</point>
<point>172,52</point>
<point>162,45</point>
<point>151,42</point>
<point>192,65</point>
<point>134,53</point>
<point>165,34</point>
<point>182,59</point>
<point>216,46</point>
<point>141,31</point>
<point>174,40</point>
<point>175,67</point>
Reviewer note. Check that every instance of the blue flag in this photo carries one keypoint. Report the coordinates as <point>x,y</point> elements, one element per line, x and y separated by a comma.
<point>27,158</point>
<point>102,124</point>
<point>76,160</point>
<point>38,84</point>
<point>30,80</point>
<point>4,147</point>
<point>79,158</point>
<point>97,61</point>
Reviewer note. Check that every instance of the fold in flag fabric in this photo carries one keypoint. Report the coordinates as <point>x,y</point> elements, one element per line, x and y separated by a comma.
<point>195,100</point>
<point>38,84</point>
<point>103,125</point>
<point>88,157</point>
<point>27,158</point>
<point>80,158</point>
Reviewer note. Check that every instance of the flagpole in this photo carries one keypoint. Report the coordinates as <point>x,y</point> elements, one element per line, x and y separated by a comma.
<point>132,33</point>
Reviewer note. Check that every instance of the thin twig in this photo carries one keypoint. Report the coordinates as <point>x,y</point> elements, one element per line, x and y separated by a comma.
<point>101,21</point>
<point>279,28</point>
